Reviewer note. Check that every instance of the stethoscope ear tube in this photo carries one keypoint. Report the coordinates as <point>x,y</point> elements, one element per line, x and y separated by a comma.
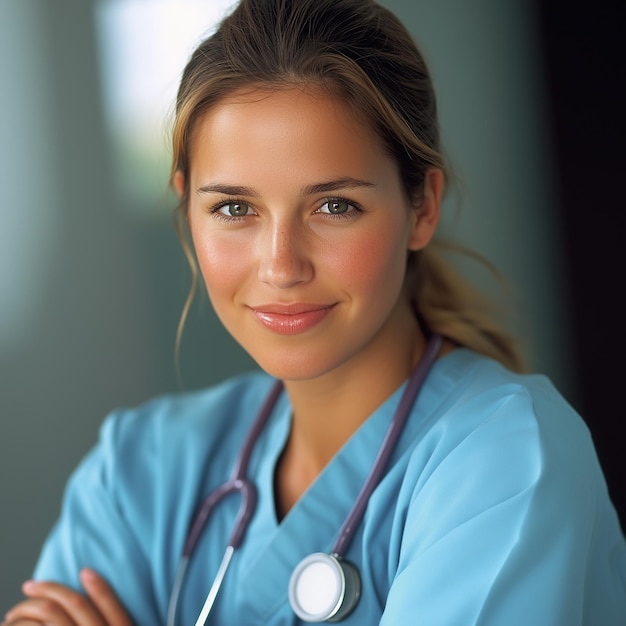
<point>172,607</point>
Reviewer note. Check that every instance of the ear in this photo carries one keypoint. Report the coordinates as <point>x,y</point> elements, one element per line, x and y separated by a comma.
<point>426,215</point>
<point>178,182</point>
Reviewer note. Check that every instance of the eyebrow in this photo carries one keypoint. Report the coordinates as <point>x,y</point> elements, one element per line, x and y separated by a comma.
<point>345,182</point>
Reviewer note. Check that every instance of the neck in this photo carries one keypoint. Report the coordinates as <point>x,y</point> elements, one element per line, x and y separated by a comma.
<point>327,410</point>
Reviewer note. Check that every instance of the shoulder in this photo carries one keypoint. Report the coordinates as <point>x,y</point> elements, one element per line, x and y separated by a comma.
<point>482,390</point>
<point>179,438</point>
<point>491,436</point>
<point>502,486</point>
<point>158,457</point>
<point>128,504</point>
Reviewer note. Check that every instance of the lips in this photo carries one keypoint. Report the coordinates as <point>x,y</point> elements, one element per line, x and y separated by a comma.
<point>291,319</point>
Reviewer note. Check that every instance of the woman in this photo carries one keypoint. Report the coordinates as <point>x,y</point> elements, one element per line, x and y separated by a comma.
<point>308,165</point>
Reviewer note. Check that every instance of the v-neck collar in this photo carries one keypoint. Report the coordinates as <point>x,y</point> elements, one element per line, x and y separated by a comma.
<point>272,550</point>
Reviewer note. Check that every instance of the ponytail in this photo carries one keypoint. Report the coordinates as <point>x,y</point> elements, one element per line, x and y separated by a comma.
<point>448,304</point>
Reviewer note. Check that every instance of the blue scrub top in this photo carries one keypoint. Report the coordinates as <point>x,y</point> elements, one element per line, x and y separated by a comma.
<point>494,510</point>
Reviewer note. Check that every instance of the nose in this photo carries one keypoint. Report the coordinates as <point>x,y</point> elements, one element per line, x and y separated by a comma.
<point>284,259</point>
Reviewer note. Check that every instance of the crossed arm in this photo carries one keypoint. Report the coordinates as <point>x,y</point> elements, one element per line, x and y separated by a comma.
<point>52,604</point>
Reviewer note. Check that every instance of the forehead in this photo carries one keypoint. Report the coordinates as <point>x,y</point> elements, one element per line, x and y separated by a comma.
<point>287,126</point>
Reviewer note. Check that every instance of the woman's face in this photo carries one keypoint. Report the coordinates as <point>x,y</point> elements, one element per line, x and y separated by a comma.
<point>302,227</point>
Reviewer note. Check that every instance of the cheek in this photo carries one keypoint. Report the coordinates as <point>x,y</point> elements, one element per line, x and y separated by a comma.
<point>372,263</point>
<point>223,264</point>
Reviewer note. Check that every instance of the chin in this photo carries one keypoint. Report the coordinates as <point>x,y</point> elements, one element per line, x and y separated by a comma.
<point>296,366</point>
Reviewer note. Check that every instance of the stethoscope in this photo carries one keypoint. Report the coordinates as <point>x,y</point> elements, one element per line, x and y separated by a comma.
<point>323,587</point>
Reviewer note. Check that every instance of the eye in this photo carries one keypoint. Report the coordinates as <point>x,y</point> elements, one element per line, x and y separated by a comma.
<point>234,209</point>
<point>336,206</point>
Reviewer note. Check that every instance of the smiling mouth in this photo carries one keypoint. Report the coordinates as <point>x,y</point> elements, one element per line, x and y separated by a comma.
<point>291,319</point>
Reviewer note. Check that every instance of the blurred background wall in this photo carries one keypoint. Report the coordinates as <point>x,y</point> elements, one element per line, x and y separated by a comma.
<point>92,280</point>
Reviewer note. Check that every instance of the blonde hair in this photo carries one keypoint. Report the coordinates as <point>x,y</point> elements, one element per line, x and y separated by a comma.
<point>361,53</point>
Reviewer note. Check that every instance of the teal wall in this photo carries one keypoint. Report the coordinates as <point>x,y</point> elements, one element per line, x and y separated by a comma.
<point>91,289</point>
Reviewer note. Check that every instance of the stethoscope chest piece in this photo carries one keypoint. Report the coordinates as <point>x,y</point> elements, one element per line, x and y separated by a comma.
<point>324,588</point>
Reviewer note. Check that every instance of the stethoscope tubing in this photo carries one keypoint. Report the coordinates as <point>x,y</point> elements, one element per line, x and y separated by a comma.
<point>236,483</point>
<point>387,447</point>
<point>239,483</point>
<point>215,587</point>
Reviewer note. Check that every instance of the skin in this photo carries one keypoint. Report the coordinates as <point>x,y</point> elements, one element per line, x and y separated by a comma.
<point>55,605</point>
<point>275,149</point>
<point>284,247</point>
